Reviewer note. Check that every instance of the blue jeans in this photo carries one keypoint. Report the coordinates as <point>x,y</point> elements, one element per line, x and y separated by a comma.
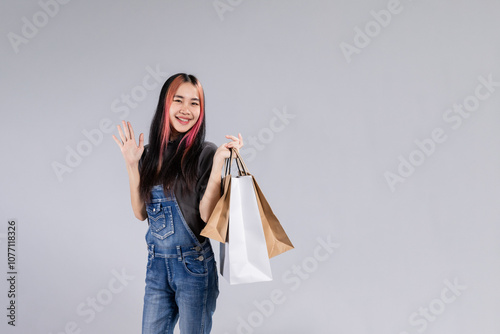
<point>181,278</point>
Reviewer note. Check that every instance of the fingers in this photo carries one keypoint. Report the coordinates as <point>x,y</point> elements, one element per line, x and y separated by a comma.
<point>122,136</point>
<point>141,140</point>
<point>241,139</point>
<point>127,133</point>
<point>231,144</point>
<point>236,142</point>
<point>132,136</point>
<point>127,130</point>
<point>118,142</point>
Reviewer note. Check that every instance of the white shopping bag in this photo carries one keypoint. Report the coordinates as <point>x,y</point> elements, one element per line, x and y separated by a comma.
<point>244,257</point>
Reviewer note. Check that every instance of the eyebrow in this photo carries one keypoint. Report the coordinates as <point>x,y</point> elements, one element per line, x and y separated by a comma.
<point>180,96</point>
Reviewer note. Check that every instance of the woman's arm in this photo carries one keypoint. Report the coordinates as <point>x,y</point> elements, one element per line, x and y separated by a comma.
<point>138,205</point>
<point>212,192</point>
<point>132,154</point>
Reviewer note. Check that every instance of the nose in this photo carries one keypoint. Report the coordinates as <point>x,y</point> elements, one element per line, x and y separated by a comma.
<point>185,107</point>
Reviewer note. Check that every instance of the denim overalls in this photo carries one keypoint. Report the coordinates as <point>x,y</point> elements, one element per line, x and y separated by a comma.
<point>181,276</point>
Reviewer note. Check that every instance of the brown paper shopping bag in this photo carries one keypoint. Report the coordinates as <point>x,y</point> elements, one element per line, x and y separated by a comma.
<point>276,239</point>
<point>217,224</point>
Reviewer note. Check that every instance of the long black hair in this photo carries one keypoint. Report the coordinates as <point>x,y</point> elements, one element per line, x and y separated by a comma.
<point>181,164</point>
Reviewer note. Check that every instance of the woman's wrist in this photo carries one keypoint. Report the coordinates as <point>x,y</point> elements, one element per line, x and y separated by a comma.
<point>132,168</point>
<point>217,165</point>
<point>218,160</point>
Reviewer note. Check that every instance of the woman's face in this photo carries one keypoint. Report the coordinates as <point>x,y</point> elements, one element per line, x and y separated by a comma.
<point>184,110</point>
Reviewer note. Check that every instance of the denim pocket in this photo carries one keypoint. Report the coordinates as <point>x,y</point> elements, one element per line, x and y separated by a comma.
<point>195,265</point>
<point>161,222</point>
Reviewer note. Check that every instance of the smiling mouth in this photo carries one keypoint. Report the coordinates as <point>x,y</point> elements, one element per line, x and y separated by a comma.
<point>183,121</point>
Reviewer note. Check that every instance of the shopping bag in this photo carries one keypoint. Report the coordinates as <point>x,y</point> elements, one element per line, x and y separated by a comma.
<point>216,227</point>
<point>244,256</point>
<point>276,238</point>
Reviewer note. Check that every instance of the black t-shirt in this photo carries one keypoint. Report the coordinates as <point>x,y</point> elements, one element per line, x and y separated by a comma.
<point>189,201</point>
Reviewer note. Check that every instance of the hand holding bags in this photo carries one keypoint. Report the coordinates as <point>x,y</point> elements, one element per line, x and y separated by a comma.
<point>247,228</point>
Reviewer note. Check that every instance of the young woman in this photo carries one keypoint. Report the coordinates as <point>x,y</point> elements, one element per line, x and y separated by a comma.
<point>175,183</point>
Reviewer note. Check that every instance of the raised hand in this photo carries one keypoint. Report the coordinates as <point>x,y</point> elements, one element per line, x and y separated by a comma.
<point>223,150</point>
<point>128,146</point>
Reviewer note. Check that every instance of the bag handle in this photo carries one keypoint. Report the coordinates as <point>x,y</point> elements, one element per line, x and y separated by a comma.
<point>227,164</point>
<point>242,168</point>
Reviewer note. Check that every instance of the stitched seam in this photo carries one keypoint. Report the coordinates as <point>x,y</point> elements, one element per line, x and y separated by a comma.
<point>204,311</point>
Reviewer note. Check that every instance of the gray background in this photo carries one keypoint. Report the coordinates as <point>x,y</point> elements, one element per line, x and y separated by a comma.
<point>322,170</point>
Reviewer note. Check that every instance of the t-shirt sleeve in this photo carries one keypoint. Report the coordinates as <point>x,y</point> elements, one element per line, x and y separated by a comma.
<point>205,163</point>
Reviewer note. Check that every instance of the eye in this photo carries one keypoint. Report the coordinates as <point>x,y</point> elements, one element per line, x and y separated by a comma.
<point>177,100</point>
<point>195,103</point>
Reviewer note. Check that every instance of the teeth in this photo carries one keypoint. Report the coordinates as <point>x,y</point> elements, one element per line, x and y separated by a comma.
<point>182,119</point>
